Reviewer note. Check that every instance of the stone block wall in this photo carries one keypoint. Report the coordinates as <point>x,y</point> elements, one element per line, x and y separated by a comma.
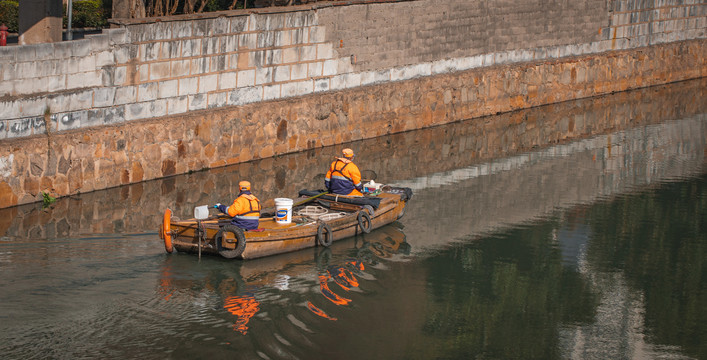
<point>72,82</point>
<point>648,22</point>
<point>389,35</point>
<point>379,35</point>
<point>154,99</point>
<point>181,65</point>
<point>104,157</point>
<point>160,69</point>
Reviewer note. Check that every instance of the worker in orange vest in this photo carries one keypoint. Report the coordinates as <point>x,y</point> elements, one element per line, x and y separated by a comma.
<point>343,176</point>
<point>245,209</point>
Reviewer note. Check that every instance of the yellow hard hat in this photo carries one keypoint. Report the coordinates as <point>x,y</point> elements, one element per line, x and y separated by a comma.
<point>244,185</point>
<point>348,153</point>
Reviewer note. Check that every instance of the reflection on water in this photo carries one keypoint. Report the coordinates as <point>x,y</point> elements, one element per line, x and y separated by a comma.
<point>287,295</point>
<point>515,189</point>
<point>570,231</point>
<point>243,307</point>
<point>621,278</point>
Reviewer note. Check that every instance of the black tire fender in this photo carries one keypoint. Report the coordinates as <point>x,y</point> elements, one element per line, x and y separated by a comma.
<point>240,244</point>
<point>364,221</point>
<point>370,210</point>
<point>324,234</point>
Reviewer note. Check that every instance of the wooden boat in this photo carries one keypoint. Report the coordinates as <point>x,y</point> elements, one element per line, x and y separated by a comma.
<point>317,219</point>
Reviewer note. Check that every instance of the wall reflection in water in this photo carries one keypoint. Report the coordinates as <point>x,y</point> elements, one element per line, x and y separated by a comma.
<point>633,289</point>
<point>520,188</point>
<point>427,154</point>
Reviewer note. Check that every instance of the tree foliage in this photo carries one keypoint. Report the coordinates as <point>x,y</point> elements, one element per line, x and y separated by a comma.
<point>9,14</point>
<point>84,14</point>
<point>87,14</point>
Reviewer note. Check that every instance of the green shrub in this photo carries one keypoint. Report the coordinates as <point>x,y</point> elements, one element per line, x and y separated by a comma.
<point>9,14</point>
<point>87,14</point>
<point>47,199</point>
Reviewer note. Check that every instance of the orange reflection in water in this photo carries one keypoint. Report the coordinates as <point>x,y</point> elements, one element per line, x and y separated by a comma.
<point>244,307</point>
<point>332,296</point>
<point>344,278</point>
<point>319,312</point>
<point>166,288</point>
<point>356,264</point>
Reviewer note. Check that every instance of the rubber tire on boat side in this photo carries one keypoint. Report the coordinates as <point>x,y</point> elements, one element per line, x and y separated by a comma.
<point>364,221</point>
<point>323,258</point>
<point>240,244</point>
<point>322,238</point>
<point>370,210</point>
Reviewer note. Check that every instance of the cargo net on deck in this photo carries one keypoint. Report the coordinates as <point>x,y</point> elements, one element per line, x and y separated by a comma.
<point>316,212</point>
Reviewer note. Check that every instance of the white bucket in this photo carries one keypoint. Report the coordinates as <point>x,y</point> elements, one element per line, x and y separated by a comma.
<point>283,210</point>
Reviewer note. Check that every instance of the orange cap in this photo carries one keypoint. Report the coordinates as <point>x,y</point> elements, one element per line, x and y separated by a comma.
<point>244,185</point>
<point>348,153</point>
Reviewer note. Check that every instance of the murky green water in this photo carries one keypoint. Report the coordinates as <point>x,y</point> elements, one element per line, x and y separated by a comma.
<point>579,232</point>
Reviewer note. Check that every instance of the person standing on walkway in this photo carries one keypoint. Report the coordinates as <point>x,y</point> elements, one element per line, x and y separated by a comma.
<point>344,177</point>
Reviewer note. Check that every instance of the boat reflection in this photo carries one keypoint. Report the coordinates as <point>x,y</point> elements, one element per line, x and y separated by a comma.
<point>243,307</point>
<point>311,278</point>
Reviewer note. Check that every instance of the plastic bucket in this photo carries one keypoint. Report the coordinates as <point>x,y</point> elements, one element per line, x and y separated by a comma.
<point>201,212</point>
<point>283,210</point>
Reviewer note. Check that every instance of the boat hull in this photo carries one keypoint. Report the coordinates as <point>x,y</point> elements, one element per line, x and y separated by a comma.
<point>274,238</point>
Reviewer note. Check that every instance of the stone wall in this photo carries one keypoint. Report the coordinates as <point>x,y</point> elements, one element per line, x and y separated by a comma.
<point>160,69</point>
<point>149,100</point>
<point>380,36</point>
<point>180,65</point>
<point>99,158</point>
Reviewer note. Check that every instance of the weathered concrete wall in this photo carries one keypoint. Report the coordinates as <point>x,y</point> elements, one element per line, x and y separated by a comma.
<point>159,69</point>
<point>182,94</point>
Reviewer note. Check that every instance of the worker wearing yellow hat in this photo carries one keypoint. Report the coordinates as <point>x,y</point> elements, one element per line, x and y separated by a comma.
<point>245,209</point>
<point>343,176</point>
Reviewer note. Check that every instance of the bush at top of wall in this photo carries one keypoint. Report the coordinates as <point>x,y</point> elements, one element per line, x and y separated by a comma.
<point>87,14</point>
<point>9,14</point>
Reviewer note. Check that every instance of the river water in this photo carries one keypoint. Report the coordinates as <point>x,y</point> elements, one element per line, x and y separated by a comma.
<point>571,231</point>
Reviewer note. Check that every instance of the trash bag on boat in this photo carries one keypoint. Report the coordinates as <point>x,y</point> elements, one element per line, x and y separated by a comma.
<point>358,200</point>
<point>404,192</point>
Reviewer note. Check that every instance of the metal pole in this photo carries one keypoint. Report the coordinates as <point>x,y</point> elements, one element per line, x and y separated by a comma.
<point>199,234</point>
<point>69,10</point>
